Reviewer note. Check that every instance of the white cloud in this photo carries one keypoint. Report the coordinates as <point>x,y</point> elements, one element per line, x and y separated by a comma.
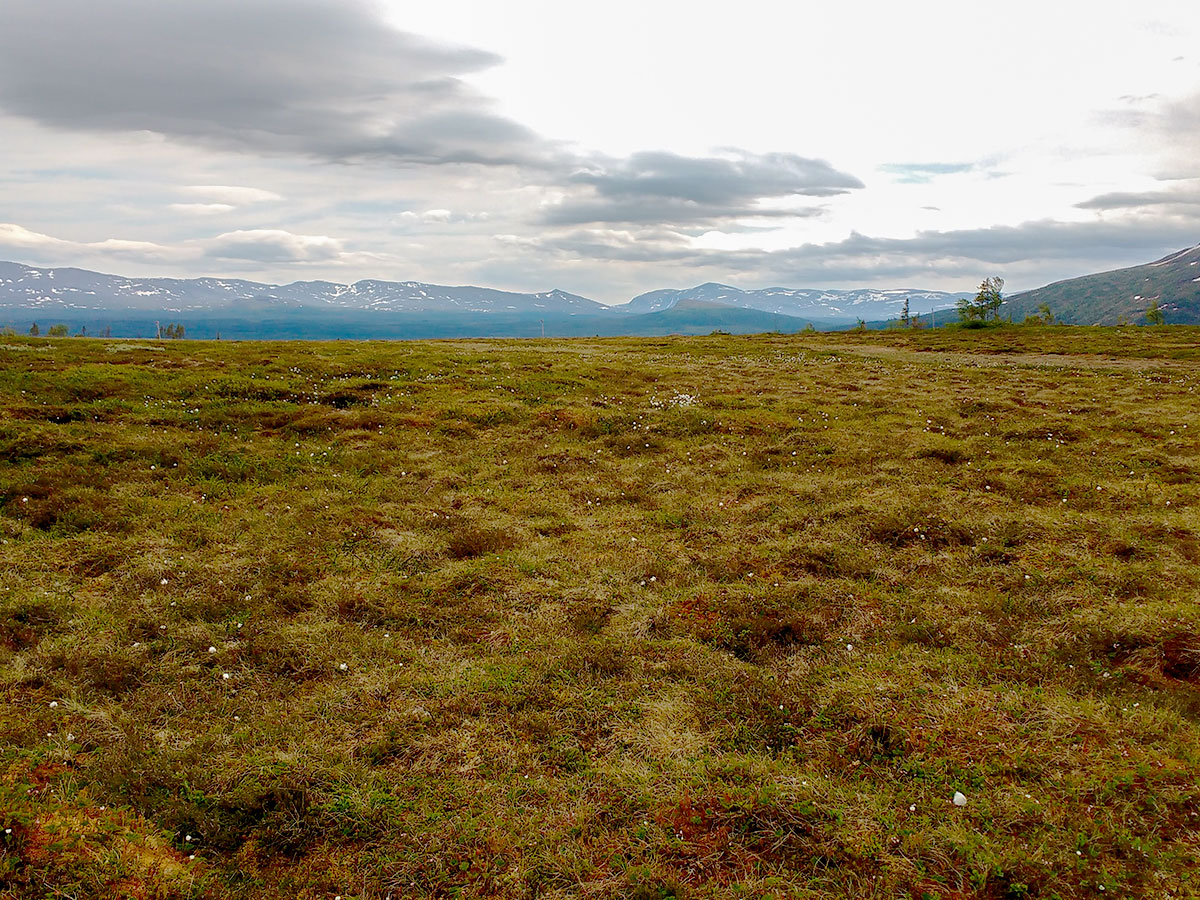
<point>14,237</point>
<point>274,245</point>
<point>250,246</point>
<point>231,195</point>
<point>203,209</point>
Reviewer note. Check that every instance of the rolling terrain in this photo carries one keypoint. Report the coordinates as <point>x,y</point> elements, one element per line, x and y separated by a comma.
<point>882,614</point>
<point>1172,283</point>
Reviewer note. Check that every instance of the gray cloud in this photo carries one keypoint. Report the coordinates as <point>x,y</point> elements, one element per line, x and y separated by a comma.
<point>648,245</point>
<point>1174,196</point>
<point>1034,253</point>
<point>308,77</point>
<point>332,80</point>
<point>669,188</point>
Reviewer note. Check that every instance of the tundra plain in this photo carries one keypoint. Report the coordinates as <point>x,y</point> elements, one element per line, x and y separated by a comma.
<point>705,617</point>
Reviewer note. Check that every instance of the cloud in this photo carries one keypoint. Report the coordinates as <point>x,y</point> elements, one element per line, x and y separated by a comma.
<point>273,246</point>
<point>650,245</point>
<point>923,173</point>
<point>248,246</point>
<point>36,245</point>
<point>1179,195</point>
<point>310,77</point>
<point>231,195</point>
<point>1034,252</point>
<point>440,217</point>
<point>1178,123</point>
<point>203,209</point>
<point>17,238</point>
<point>668,188</point>
<point>1170,128</point>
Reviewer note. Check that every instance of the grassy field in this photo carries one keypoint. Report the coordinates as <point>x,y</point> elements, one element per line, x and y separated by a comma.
<point>709,617</point>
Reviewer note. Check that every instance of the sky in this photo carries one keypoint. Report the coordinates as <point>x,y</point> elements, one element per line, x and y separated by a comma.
<point>605,150</point>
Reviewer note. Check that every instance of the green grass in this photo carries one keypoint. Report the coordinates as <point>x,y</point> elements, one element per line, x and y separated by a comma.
<point>696,617</point>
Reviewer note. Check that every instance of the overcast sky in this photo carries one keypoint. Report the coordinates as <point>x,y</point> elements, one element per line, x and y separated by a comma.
<point>603,149</point>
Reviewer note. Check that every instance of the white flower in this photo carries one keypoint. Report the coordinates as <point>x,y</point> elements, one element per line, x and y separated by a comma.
<point>225,676</point>
<point>164,581</point>
<point>212,649</point>
<point>343,666</point>
<point>54,704</point>
<point>960,799</point>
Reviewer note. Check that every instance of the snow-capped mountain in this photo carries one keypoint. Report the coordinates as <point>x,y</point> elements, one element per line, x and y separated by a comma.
<point>867,304</point>
<point>65,290</point>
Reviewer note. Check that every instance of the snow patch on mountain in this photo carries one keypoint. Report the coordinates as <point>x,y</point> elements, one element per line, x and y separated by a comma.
<point>868,304</point>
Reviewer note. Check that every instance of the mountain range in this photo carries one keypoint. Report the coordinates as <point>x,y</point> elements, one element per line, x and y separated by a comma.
<point>236,308</point>
<point>239,308</point>
<point>866,304</point>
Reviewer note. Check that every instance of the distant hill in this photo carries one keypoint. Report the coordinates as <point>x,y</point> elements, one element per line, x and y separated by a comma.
<point>819,306</point>
<point>702,317</point>
<point>1173,283</point>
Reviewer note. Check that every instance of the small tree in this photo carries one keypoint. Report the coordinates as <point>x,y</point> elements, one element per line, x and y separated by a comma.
<point>986,304</point>
<point>905,319</point>
<point>34,330</point>
<point>57,331</point>
<point>1154,315</point>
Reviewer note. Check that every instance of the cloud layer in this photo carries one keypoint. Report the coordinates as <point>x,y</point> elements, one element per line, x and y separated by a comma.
<point>254,246</point>
<point>673,189</point>
<point>279,76</point>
